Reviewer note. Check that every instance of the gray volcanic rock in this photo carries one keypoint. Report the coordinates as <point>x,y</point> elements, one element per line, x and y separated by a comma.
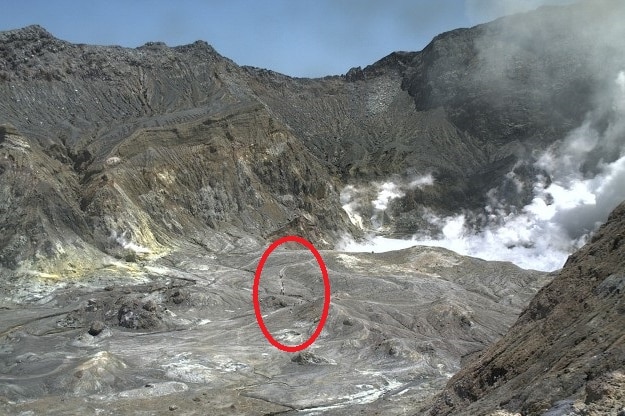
<point>567,346</point>
<point>521,78</point>
<point>41,219</point>
<point>96,328</point>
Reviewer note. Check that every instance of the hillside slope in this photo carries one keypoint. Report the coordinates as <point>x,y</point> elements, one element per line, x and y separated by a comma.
<point>567,349</point>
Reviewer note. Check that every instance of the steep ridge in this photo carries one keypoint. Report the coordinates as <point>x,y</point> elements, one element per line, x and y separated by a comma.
<point>367,128</point>
<point>91,97</point>
<point>194,183</point>
<point>474,106</point>
<point>40,213</point>
<point>157,147</point>
<point>565,353</point>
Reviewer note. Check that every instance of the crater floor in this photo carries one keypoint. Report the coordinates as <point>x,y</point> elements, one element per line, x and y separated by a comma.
<point>178,335</point>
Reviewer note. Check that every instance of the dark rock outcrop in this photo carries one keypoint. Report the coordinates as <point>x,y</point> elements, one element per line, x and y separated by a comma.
<point>96,328</point>
<point>568,344</point>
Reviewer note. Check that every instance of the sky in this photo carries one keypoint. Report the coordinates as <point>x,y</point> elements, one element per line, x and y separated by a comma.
<point>294,37</point>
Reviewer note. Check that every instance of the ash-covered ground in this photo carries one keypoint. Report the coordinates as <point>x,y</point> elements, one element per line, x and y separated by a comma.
<point>179,334</point>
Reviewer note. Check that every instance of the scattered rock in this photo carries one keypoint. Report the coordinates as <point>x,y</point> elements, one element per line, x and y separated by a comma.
<point>150,306</point>
<point>273,302</point>
<point>127,317</point>
<point>308,357</point>
<point>92,305</point>
<point>178,296</point>
<point>596,390</point>
<point>96,328</point>
<point>133,314</point>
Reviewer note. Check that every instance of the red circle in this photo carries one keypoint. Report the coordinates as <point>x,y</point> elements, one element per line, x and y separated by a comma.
<point>326,295</point>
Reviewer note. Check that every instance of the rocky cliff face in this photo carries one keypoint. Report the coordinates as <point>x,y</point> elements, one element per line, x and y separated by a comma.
<point>134,152</point>
<point>472,106</point>
<point>565,353</point>
<point>159,145</point>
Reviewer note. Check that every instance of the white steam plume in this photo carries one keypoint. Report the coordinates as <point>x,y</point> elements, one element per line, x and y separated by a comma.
<point>585,181</point>
<point>367,205</point>
<point>386,192</point>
